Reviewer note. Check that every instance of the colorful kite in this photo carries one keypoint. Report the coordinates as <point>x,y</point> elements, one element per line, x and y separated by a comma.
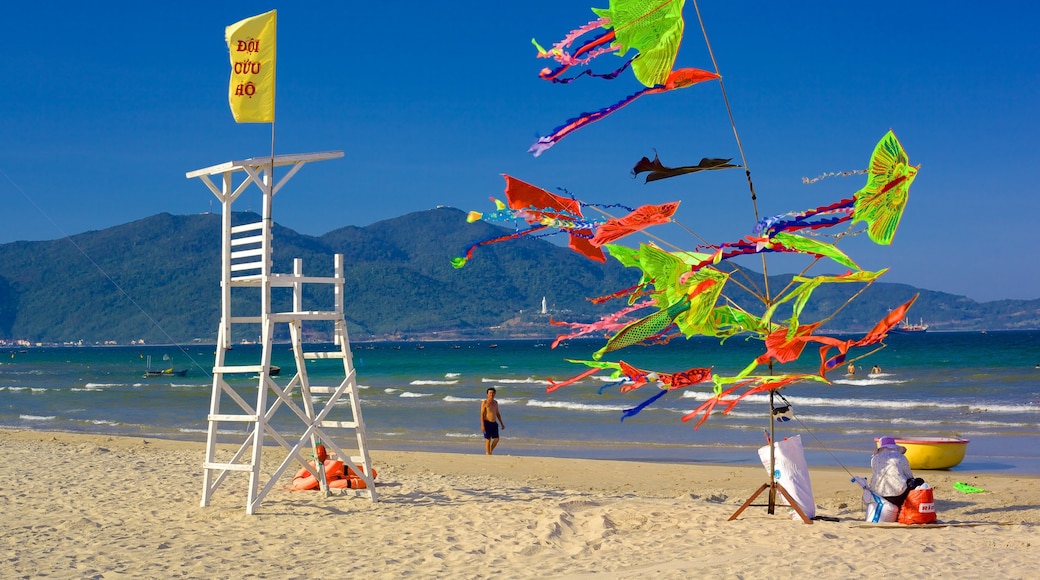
<point>680,79</point>
<point>882,201</point>
<point>635,378</point>
<point>642,217</point>
<point>607,323</point>
<point>541,210</point>
<point>630,378</point>
<point>659,171</point>
<point>545,211</point>
<point>653,29</point>
<point>876,335</point>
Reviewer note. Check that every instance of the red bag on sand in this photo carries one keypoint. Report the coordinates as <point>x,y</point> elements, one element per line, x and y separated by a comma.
<point>919,507</point>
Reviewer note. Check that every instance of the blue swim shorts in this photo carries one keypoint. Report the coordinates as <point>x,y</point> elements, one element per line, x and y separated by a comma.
<point>490,430</point>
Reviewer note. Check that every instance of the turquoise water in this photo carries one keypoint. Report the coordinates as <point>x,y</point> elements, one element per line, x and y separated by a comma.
<point>425,396</point>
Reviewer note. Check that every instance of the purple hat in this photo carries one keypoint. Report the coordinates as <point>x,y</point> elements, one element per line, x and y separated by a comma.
<point>890,443</point>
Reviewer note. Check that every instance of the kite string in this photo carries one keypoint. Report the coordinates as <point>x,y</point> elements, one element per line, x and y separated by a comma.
<point>69,239</point>
<point>740,147</point>
<point>729,110</point>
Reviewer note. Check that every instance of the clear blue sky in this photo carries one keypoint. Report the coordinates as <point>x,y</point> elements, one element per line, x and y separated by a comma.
<point>105,106</point>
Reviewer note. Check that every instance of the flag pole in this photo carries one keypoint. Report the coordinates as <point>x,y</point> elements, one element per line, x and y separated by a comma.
<point>270,184</point>
<point>274,102</point>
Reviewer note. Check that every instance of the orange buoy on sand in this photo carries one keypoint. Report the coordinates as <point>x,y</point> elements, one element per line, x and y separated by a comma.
<point>337,475</point>
<point>333,469</point>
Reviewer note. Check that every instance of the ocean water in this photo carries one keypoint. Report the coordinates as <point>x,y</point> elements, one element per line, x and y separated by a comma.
<point>426,396</point>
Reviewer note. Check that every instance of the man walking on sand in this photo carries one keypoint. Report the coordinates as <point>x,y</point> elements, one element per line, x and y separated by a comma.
<point>490,419</point>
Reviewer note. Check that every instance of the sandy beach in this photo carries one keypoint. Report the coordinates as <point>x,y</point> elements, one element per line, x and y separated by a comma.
<point>89,506</point>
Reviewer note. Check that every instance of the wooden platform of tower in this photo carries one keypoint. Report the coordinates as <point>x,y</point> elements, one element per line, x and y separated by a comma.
<point>246,264</point>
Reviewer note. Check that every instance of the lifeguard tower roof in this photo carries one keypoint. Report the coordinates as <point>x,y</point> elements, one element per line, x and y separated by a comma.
<point>252,162</point>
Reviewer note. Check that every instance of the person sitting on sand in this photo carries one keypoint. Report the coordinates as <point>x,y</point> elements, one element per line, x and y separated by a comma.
<point>891,476</point>
<point>490,419</point>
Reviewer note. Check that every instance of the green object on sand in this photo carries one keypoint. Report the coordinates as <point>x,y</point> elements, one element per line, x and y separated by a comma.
<point>965,488</point>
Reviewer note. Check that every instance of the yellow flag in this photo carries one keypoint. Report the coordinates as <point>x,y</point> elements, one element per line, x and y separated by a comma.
<point>251,43</point>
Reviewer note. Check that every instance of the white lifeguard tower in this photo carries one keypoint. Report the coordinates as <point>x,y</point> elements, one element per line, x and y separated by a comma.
<point>246,262</point>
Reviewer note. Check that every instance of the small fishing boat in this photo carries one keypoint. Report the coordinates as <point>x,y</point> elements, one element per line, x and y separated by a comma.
<point>934,452</point>
<point>168,372</point>
<point>907,327</point>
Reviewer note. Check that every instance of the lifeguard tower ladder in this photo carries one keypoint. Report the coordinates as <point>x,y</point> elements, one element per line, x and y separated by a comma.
<point>246,262</point>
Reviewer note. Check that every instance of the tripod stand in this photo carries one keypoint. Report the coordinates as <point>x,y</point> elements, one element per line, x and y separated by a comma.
<point>773,485</point>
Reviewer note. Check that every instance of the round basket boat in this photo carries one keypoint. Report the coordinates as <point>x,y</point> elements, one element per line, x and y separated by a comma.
<point>934,452</point>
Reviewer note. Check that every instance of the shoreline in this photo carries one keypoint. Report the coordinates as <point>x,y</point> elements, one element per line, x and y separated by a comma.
<point>989,456</point>
<point>99,505</point>
<point>833,478</point>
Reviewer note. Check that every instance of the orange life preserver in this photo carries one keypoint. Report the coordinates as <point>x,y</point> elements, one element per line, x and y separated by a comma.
<point>333,469</point>
<point>305,480</point>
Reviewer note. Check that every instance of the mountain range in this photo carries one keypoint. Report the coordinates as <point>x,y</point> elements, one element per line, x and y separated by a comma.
<point>158,280</point>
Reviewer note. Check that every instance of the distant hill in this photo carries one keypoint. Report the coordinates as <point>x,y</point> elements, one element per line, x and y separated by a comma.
<point>158,279</point>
